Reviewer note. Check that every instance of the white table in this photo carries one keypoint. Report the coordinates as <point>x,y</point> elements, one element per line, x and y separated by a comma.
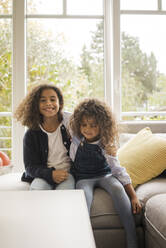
<point>45,219</point>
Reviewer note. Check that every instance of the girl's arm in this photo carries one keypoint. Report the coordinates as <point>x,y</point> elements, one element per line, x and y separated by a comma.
<point>133,197</point>
<point>35,161</point>
<point>117,170</point>
<point>73,147</point>
<point>121,174</point>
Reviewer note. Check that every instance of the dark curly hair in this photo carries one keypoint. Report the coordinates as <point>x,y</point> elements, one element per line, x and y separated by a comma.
<point>102,114</point>
<point>28,111</point>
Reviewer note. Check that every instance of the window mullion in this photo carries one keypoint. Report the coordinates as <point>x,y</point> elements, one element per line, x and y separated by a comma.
<point>108,52</point>
<point>64,7</point>
<point>159,4</point>
<point>116,58</point>
<point>18,81</point>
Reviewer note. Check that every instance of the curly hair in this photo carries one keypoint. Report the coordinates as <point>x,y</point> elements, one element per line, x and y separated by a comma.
<point>28,110</point>
<point>103,116</point>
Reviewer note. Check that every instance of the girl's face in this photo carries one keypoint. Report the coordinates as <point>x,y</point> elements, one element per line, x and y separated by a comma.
<point>89,129</point>
<point>49,103</point>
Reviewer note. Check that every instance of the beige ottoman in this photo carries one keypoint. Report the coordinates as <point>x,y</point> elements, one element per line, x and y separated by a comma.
<point>155,222</point>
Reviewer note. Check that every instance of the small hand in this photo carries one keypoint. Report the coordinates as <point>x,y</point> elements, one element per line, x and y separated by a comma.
<point>136,206</point>
<point>59,175</point>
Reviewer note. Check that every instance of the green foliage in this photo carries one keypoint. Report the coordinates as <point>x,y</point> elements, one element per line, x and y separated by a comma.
<point>97,45</point>
<point>85,61</point>
<point>5,66</point>
<point>158,98</point>
<point>5,79</point>
<point>48,62</point>
<point>142,85</point>
<point>131,92</point>
<point>92,62</point>
<point>140,69</point>
<point>5,7</point>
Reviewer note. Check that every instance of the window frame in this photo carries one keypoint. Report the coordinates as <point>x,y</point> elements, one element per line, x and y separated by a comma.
<point>5,114</point>
<point>18,80</point>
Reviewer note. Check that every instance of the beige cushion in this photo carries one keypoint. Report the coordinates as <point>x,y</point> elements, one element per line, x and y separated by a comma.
<point>143,156</point>
<point>103,213</point>
<point>155,216</point>
<point>6,169</point>
<point>151,188</point>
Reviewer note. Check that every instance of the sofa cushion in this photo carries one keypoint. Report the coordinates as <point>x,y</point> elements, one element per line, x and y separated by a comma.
<point>151,188</point>
<point>155,216</point>
<point>12,181</point>
<point>143,156</point>
<point>103,213</point>
<point>6,169</point>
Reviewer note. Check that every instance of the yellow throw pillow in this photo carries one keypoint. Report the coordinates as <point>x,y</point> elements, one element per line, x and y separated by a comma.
<point>144,156</point>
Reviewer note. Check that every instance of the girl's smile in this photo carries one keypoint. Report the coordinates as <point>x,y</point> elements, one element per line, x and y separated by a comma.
<point>89,129</point>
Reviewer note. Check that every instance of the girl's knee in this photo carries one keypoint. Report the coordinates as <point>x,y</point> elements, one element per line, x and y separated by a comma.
<point>80,184</point>
<point>83,184</point>
<point>71,182</point>
<point>115,185</point>
<point>40,184</point>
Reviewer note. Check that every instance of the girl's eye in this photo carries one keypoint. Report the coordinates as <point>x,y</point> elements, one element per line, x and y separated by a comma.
<point>93,126</point>
<point>52,100</point>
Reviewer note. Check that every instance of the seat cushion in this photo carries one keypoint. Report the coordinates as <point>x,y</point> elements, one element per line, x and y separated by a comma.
<point>103,213</point>
<point>151,188</point>
<point>12,181</point>
<point>155,216</point>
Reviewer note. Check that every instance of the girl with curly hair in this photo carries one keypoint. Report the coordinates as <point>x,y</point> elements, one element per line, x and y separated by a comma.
<point>46,142</point>
<point>95,164</point>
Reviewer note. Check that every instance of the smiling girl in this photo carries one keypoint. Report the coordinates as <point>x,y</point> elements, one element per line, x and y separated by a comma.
<point>46,142</point>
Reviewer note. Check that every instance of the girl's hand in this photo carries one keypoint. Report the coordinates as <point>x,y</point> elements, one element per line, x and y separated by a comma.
<point>59,175</point>
<point>136,206</point>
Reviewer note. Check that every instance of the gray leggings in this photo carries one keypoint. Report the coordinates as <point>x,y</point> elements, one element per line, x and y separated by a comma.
<point>120,199</point>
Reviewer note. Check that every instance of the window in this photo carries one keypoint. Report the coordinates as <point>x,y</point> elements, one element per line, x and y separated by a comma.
<point>109,49</point>
<point>143,71</point>
<point>139,5</point>
<point>65,45</point>
<point>5,75</point>
<point>61,41</point>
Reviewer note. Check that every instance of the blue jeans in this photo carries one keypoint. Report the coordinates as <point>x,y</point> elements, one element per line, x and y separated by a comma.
<point>120,199</point>
<point>41,184</point>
